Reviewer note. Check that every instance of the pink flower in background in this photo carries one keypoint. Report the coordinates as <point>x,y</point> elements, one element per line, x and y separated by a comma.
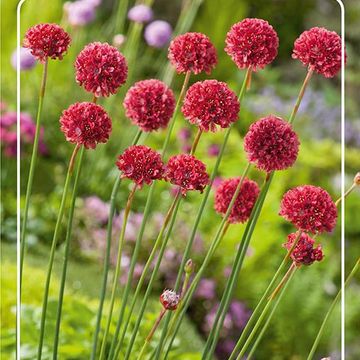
<point>27,60</point>
<point>158,34</point>
<point>192,52</point>
<point>47,41</point>
<point>101,69</point>
<point>140,13</point>
<point>206,289</point>
<point>252,42</point>
<point>80,12</point>
<point>320,50</point>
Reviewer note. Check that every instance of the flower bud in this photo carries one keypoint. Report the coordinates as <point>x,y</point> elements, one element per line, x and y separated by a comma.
<point>189,267</point>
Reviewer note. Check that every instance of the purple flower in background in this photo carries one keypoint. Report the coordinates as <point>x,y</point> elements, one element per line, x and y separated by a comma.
<point>217,181</point>
<point>213,150</point>
<point>240,314</point>
<point>140,14</point>
<point>206,289</point>
<point>184,134</point>
<point>27,60</point>
<point>158,33</point>
<point>119,40</point>
<point>80,13</point>
<point>97,209</point>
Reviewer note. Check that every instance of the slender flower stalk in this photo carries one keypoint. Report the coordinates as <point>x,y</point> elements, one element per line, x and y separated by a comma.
<point>114,192</point>
<point>200,213</point>
<point>135,255</point>
<point>331,308</point>
<point>32,167</point>
<point>53,249</point>
<point>225,301</point>
<point>117,268</point>
<point>67,252</point>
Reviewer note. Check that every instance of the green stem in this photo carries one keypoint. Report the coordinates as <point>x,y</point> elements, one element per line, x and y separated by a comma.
<point>53,249</point>
<point>67,252</point>
<point>169,217</point>
<point>107,255</point>
<point>267,323</point>
<point>329,312</point>
<point>144,221</point>
<point>117,269</point>
<point>32,168</point>
<point>243,248</point>
<point>259,321</point>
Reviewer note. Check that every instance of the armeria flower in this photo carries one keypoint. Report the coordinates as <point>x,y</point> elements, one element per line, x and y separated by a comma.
<point>27,60</point>
<point>47,41</point>
<point>140,164</point>
<point>209,103</point>
<point>271,144</point>
<point>320,50</point>
<point>158,33</point>
<point>187,172</point>
<point>192,52</point>
<point>244,203</point>
<point>252,42</point>
<point>309,208</point>
<point>304,252</point>
<point>86,124</point>
<point>169,299</point>
<point>101,69</point>
<point>149,104</point>
<point>140,14</point>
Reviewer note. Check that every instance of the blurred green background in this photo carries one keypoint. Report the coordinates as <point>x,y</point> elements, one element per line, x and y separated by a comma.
<point>273,90</point>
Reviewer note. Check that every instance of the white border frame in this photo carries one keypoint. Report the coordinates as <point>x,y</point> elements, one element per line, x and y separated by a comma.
<point>18,208</point>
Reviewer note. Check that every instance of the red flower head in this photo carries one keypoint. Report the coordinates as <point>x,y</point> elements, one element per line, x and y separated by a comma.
<point>169,299</point>
<point>209,103</point>
<point>192,52</point>
<point>47,41</point>
<point>149,104</point>
<point>252,42</point>
<point>309,208</point>
<point>304,252</point>
<point>86,123</point>
<point>140,164</point>
<point>101,69</point>
<point>187,172</point>
<point>271,144</point>
<point>244,203</point>
<point>320,50</point>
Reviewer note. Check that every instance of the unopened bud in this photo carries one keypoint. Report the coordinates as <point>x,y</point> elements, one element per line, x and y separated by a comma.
<point>357,179</point>
<point>189,267</point>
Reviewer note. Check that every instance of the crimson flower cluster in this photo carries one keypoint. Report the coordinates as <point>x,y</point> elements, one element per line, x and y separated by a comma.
<point>271,144</point>
<point>101,69</point>
<point>304,252</point>
<point>169,299</point>
<point>149,104</point>
<point>209,103</point>
<point>187,172</point>
<point>309,208</point>
<point>140,164</point>
<point>252,42</point>
<point>86,124</point>
<point>47,41</point>
<point>320,50</point>
<point>192,52</point>
<point>244,202</point>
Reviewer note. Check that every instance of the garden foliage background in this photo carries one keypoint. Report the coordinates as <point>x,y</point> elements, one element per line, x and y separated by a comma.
<point>273,90</point>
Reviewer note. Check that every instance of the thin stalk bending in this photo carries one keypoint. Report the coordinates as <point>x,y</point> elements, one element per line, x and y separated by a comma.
<point>67,252</point>
<point>32,168</point>
<point>53,249</point>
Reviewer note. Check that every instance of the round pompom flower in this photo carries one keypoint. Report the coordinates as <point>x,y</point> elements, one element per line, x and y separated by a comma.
<point>209,103</point>
<point>101,69</point>
<point>27,60</point>
<point>252,42</point>
<point>158,33</point>
<point>309,208</point>
<point>271,144</point>
<point>149,104</point>
<point>192,52</point>
<point>86,124</point>
<point>187,172</point>
<point>47,41</point>
<point>140,14</point>
<point>320,50</point>
<point>140,164</point>
<point>304,252</point>
<point>169,299</point>
<point>244,203</point>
